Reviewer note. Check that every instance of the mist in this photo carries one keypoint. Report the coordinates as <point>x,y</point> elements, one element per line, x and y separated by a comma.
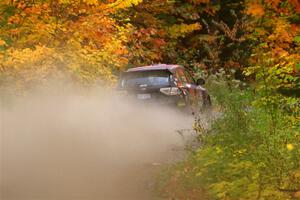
<point>85,145</point>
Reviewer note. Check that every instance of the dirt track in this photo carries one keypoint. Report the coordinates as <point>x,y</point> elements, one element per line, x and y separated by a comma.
<point>85,147</point>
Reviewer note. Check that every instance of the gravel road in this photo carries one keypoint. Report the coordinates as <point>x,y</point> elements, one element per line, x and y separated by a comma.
<point>69,146</point>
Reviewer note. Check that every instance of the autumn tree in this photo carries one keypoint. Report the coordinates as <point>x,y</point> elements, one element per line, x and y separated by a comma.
<point>57,38</point>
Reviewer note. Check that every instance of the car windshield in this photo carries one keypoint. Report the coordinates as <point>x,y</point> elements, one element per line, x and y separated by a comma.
<point>147,78</point>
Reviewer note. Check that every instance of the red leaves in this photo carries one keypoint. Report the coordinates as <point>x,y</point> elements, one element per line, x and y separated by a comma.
<point>15,32</point>
<point>295,29</point>
<point>158,42</point>
<point>296,4</point>
<point>274,3</point>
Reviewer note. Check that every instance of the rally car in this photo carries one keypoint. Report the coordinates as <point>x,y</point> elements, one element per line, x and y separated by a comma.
<point>165,84</point>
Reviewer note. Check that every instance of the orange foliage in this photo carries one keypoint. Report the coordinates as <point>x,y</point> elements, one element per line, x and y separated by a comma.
<point>78,38</point>
<point>296,4</point>
<point>255,9</point>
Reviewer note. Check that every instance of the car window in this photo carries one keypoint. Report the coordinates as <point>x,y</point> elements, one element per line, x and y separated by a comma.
<point>148,78</point>
<point>184,76</point>
<point>189,77</point>
<point>181,76</point>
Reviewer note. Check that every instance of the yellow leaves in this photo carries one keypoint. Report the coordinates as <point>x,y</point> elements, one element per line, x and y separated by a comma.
<point>91,2</point>
<point>290,147</point>
<point>122,4</point>
<point>241,151</point>
<point>64,1</point>
<point>85,65</point>
<point>181,30</point>
<point>24,66</point>
<point>219,150</point>
<point>255,9</point>
<point>85,47</point>
<point>276,57</point>
<point>26,58</point>
<point>296,175</point>
<point>79,2</point>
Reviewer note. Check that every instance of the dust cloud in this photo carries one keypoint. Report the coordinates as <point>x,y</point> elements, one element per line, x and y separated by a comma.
<point>93,145</point>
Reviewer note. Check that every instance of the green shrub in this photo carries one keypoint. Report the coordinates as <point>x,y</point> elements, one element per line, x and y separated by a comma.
<point>250,152</point>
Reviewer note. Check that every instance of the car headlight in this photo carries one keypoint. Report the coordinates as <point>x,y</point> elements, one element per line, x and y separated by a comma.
<point>170,91</point>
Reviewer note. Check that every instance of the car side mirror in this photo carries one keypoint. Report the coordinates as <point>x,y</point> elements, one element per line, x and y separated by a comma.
<point>200,81</point>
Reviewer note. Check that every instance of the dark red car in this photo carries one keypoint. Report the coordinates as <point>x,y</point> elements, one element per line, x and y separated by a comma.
<point>165,84</point>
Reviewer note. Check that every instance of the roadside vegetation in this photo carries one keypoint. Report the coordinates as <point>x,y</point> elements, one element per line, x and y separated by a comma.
<point>248,50</point>
<point>251,151</point>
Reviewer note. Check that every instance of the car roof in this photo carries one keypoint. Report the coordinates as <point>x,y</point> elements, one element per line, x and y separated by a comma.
<point>171,68</point>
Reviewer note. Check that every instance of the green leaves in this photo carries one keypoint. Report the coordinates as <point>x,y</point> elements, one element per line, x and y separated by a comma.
<point>297,39</point>
<point>252,150</point>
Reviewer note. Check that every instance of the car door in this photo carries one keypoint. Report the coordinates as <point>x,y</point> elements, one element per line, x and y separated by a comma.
<point>188,86</point>
<point>202,97</point>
